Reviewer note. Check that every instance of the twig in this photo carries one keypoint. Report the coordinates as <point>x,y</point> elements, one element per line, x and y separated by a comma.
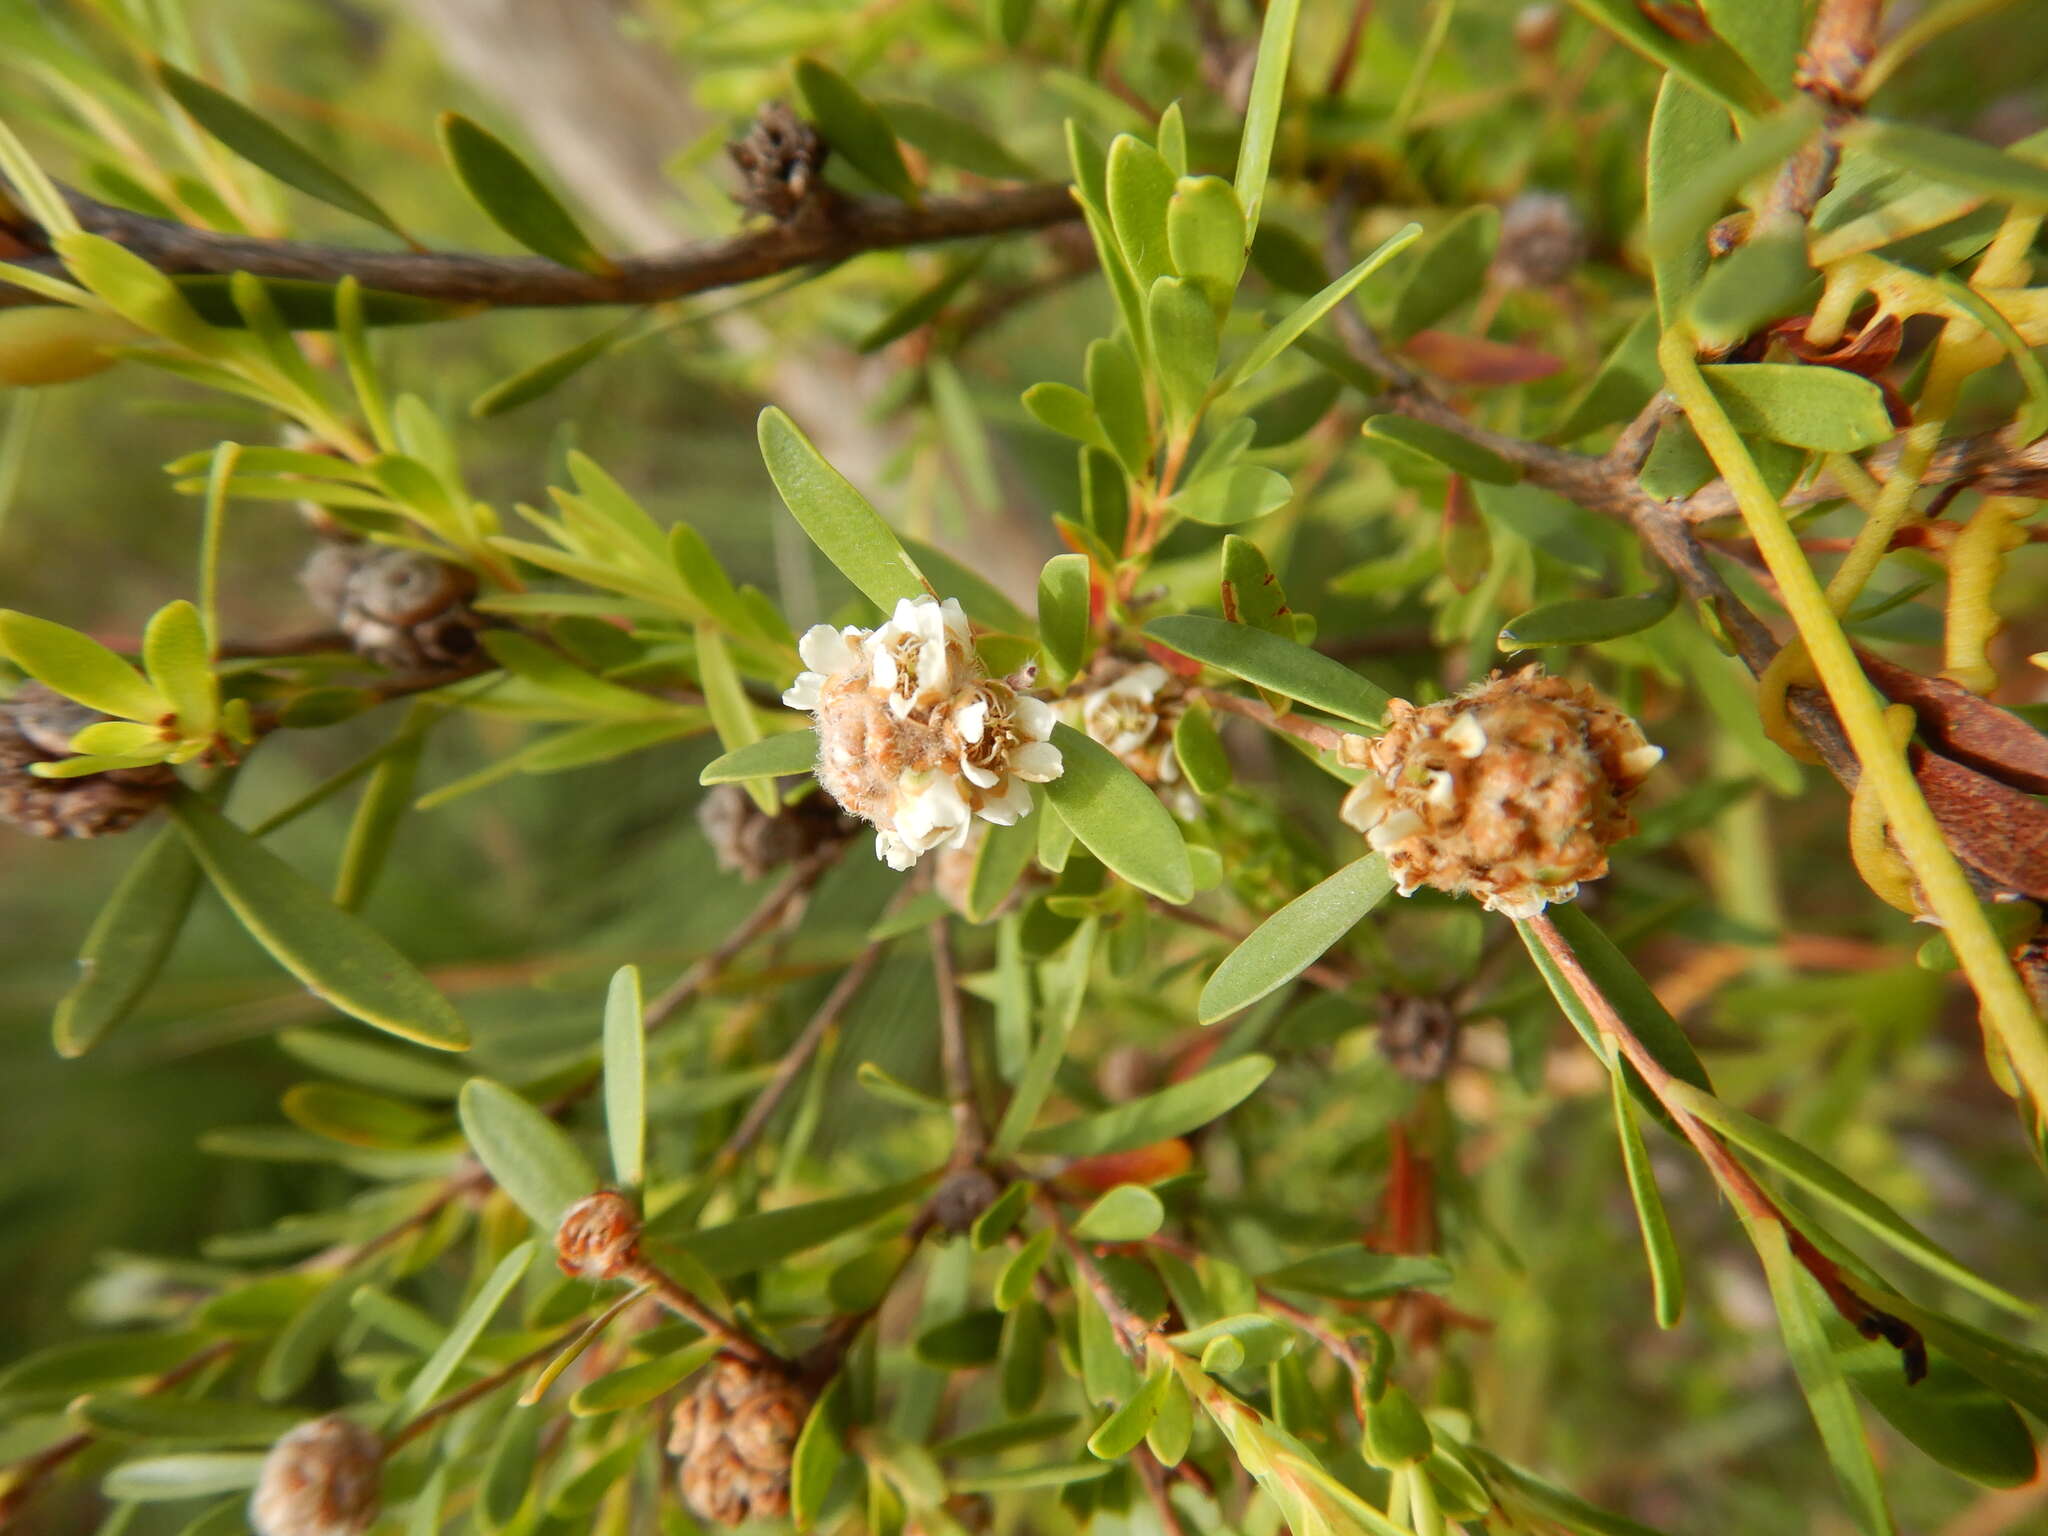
<point>1321,737</point>
<point>970,1131</point>
<point>802,875</point>
<point>1131,1330</point>
<point>845,228</point>
<point>672,1294</point>
<point>484,1386</point>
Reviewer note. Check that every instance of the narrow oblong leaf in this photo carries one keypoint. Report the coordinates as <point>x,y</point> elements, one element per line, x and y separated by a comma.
<point>839,520</point>
<point>1667,1276</point>
<point>1822,408</point>
<point>1354,1272</point>
<point>643,1382</point>
<point>1118,818</point>
<point>773,757</point>
<point>1205,236</point>
<point>1120,1433</point>
<point>268,148</point>
<point>1235,494</point>
<point>1955,161</point>
<point>1273,663</point>
<point>184,1418</point>
<point>1184,343</point>
<point>1688,130</point>
<point>1295,937</point>
<point>1140,185</point>
<point>625,1077</point>
<point>531,1158</point>
<point>1063,616</point>
<point>160,1479</point>
<point>1172,1111</point>
<point>514,197</point>
<point>1198,748</point>
<point>749,1243</point>
<point>1262,106</point>
<point>1588,621</point>
<point>79,667</point>
<point>128,943</point>
<point>468,1328</point>
<point>1291,328</point>
<point>1127,1214</point>
<point>855,128</point>
<point>338,957</point>
<point>1705,61</point>
<point>1446,270</point>
<point>1440,445</point>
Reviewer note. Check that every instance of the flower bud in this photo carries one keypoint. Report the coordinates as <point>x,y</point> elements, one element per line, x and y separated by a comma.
<point>321,1479</point>
<point>36,726</point>
<point>599,1236</point>
<point>961,1198</point>
<point>55,346</point>
<point>1511,792</point>
<point>735,1436</point>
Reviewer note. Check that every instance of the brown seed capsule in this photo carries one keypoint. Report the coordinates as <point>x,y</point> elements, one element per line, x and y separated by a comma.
<point>1512,792</point>
<point>961,1198</point>
<point>399,607</point>
<point>749,843</point>
<point>321,1479</point>
<point>36,726</point>
<point>1537,27</point>
<point>735,1436</point>
<point>779,162</point>
<point>598,1237</point>
<point>1542,241</point>
<point>1419,1037</point>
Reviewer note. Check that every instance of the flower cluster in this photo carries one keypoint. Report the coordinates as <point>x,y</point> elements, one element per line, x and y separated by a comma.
<point>1133,713</point>
<point>1511,792</point>
<point>734,1436</point>
<point>914,737</point>
<point>321,1479</point>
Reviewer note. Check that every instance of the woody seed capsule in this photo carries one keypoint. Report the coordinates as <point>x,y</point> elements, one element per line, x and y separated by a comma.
<point>321,1479</point>
<point>36,726</point>
<point>599,1237</point>
<point>735,1436</point>
<point>1512,792</point>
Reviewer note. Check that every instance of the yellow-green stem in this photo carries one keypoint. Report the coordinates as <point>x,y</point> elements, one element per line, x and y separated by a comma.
<point>2006,1009</point>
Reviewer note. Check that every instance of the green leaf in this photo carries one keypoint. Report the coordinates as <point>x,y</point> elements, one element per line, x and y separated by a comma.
<point>1626,379</point>
<point>508,1474</point>
<point>1118,818</point>
<point>1006,1436</point>
<point>185,1418</point>
<point>179,659</point>
<point>625,1077</point>
<point>1120,1433</point>
<point>386,798</point>
<point>1948,1413</point>
<point>1128,1213</point>
<point>1437,445</point>
<point>79,667</point>
<point>357,1117</point>
<point>1262,106</point>
<point>1715,170</point>
<point>1233,495</point>
<point>1022,1364</point>
<point>732,713</point>
<point>1588,621</point>
<point>838,519</point>
<point>1172,1111</point>
<point>924,306</point>
<point>1067,986</point>
<point>961,1343</point>
<point>820,1449</point>
<point>1353,1272</point>
<point>1139,187</point>
<point>1198,748</point>
<point>90,1363</point>
<point>1271,662</point>
<point>128,943</point>
<point>530,384</point>
<point>642,1383</point>
<point>950,139</point>
<point>267,148</point>
<point>1765,279</point>
<point>531,1158</point>
<point>1067,411</point>
<point>1173,1429</point>
<point>1259,1341</point>
<point>1446,270</point>
<point>855,128</point>
<point>1184,345</point>
<point>1954,161</point>
<point>999,863</point>
<point>469,1326</point>
<point>1013,1281</point>
<point>1667,1276</point>
<point>1815,1173</point>
<point>1295,937</point>
<point>1290,329</point>
<point>297,1350</point>
<point>1689,133</point>
<point>514,198</point>
<point>1822,408</point>
<point>1063,616</point>
<point>168,1479</point>
<point>1000,1219</point>
<point>772,757</point>
<point>1821,1379</point>
<point>1706,62</point>
<point>1116,385</point>
<point>750,1243</point>
<point>1631,996</point>
<point>1205,236</point>
<point>387,1068</point>
<point>339,958</point>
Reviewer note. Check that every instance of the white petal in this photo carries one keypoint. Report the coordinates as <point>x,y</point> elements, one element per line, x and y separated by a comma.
<point>825,649</point>
<point>978,776</point>
<point>1467,735</point>
<point>1145,680</point>
<point>1519,907</point>
<point>1032,717</point>
<point>971,720</point>
<point>803,693</point>
<point>1638,761</point>
<point>1364,805</point>
<point>1397,827</point>
<point>885,667</point>
<point>1443,789</point>
<point>894,852</point>
<point>1037,762</point>
<point>1012,805</point>
<point>954,619</point>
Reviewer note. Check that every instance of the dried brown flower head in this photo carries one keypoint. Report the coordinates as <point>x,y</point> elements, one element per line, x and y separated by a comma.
<point>321,1479</point>
<point>400,608</point>
<point>36,726</point>
<point>1542,240</point>
<point>1511,792</point>
<point>961,1198</point>
<point>734,1437</point>
<point>599,1236</point>
<point>751,843</point>
<point>779,162</point>
<point>1419,1037</point>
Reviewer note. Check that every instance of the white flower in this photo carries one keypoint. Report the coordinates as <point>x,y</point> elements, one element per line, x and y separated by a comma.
<point>915,736</point>
<point>1134,715</point>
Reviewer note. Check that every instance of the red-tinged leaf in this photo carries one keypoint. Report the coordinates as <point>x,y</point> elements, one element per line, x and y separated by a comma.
<point>1173,661</point>
<point>1990,825</point>
<point>1152,1164</point>
<point>1868,350</point>
<point>1475,360</point>
<point>1467,550</point>
<point>1971,730</point>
